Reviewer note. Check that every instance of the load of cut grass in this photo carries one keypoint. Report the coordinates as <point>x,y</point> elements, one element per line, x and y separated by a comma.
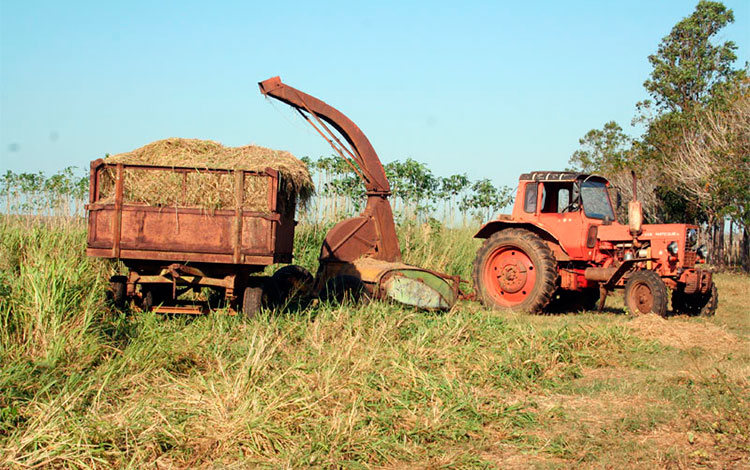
<point>212,184</point>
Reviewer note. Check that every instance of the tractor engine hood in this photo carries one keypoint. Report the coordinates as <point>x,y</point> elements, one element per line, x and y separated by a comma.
<point>618,233</point>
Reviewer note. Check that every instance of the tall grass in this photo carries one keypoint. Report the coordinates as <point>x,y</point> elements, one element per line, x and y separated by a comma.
<point>331,386</point>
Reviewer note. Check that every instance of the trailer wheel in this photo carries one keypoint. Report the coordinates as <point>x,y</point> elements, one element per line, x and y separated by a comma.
<point>695,304</point>
<point>341,288</point>
<point>289,282</point>
<point>252,300</point>
<point>154,294</point>
<point>147,302</point>
<point>645,292</point>
<point>118,286</point>
<point>515,269</point>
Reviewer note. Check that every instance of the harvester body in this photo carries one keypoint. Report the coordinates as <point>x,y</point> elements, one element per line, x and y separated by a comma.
<point>572,252</point>
<point>362,253</point>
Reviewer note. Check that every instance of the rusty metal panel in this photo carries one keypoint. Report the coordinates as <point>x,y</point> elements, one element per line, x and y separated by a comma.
<point>284,242</point>
<point>173,256</point>
<point>256,235</point>
<point>239,193</point>
<point>117,219</point>
<point>189,234</point>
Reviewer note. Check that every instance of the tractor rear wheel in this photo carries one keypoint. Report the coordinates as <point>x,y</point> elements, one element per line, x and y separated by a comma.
<point>515,269</point>
<point>695,304</point>
<point>645,292</point>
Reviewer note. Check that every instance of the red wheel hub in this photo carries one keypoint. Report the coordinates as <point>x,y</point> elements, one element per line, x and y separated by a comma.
<point>509,276</point>
<point>644,298</point>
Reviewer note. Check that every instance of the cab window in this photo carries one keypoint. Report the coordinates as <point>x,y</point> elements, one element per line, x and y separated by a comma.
<point>529,198</point>
<point>596,202</point>
<point>556,198</point>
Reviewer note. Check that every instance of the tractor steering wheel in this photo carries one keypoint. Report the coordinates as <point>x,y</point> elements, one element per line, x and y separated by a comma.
<point>572,207</point>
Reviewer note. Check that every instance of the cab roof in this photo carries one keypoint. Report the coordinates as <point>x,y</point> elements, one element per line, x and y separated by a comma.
<point>557,176</point>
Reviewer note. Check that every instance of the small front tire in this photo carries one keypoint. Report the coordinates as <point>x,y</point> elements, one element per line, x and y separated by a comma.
<point>645,292</point>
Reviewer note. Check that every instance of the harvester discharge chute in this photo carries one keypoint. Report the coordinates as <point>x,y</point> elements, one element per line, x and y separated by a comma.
<point>365,248</point>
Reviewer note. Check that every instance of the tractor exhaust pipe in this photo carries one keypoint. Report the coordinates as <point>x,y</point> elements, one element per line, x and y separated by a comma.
<point>635,211</point>
<point>599,274</point>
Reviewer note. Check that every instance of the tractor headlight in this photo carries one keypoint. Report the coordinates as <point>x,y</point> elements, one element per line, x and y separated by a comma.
<point>673,248</point>
<point>692,237</point>
<point>703,252</point>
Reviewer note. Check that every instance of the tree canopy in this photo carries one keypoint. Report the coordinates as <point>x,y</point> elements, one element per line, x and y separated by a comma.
<point>687,68</point>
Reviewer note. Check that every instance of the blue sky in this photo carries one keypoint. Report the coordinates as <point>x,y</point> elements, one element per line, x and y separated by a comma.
<point>492,89</point>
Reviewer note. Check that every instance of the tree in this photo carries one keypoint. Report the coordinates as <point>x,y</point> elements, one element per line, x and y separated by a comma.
<point>712,162</point>
<point>604,150</point>
<point>451,187</point>
<point>413,183</point>
<point>486,198</point>
<point>688,70</point>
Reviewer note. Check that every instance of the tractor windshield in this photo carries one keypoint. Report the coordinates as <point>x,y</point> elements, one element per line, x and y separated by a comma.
<point>596,203</point>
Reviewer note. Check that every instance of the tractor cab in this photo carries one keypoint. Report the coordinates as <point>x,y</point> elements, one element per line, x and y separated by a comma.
<point>569,206</point>
<point>545,193</point>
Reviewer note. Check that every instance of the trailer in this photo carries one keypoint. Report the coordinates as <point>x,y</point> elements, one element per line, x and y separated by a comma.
<point>169,251</point>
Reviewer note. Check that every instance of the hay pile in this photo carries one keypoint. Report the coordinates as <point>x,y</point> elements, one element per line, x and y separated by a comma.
<point>682,334</point>
<point>214,190</point>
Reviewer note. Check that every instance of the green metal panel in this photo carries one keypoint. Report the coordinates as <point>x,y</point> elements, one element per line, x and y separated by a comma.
<point>420,289</point>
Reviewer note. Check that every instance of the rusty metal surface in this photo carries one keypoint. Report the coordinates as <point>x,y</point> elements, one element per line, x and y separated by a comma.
<point>348,239</point>
<point>599,274</point>
<point>181,310</point>
<point>407,284</point>
<point>187,234</point>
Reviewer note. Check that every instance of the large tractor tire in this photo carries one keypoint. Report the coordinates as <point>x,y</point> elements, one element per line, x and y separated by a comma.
<point>515,269</point>
<point>695,304</point>
<point>645,292</point>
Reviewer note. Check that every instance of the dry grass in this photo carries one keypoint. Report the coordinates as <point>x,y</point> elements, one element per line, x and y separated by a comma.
<point>373,386</point>
<point>684,334</point>
<point>211,190</point>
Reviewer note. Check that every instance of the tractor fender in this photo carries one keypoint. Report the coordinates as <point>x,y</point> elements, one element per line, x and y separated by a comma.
<point>492,227</point>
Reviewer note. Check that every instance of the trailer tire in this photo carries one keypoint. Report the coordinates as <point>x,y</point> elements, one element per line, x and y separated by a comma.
<point>339,289</point>
<point>695,304</point>
<point>252,301</point>
<point>118,286</point>
<point>515,269</point>
<point>147,301</point>
<point>289,282</point>
<point>645,292</point>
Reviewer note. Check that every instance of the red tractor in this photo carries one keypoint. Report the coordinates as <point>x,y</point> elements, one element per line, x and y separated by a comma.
<point>562,249</point>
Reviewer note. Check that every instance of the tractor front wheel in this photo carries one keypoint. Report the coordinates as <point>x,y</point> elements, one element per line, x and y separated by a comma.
<point>515,269</point>
<point>645,292</point>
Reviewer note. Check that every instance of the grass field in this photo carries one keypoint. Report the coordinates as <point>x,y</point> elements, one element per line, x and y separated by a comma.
<point>371,386</point>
